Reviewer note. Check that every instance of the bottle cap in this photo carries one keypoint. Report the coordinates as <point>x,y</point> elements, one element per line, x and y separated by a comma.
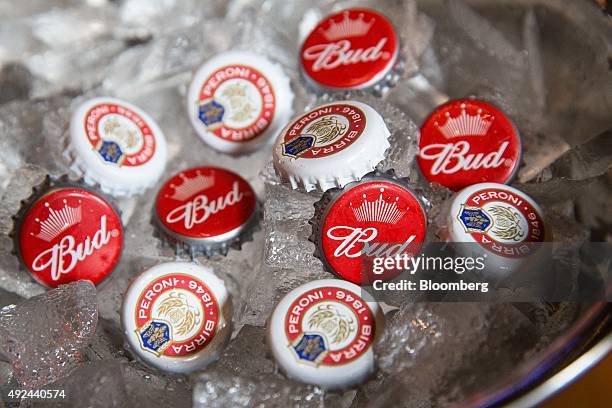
<point>376,217</point>
<point>465,142</point>
<point>116,145</point>
<point>65,232</point>
<point>353,49</point>
<point>331,145</point>
<point>206,210</point>
<point>503,220</point>
<point>322,333</point>
<point>176,316</point>
<point>237,101</point>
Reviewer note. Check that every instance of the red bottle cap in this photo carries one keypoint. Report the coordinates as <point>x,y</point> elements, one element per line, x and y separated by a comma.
<point>351,49</point>
<point>378,216</point>
<point>206,209</point>
<point>465,142</point>
<point>69,233</point>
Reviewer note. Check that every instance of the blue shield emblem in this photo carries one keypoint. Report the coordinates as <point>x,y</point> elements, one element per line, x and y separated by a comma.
<point>298,145</point>
<point>310,347</point>
<point>110,151</point>
<point>211,113</point>
<point>155,336</point>
<point>475,219</point>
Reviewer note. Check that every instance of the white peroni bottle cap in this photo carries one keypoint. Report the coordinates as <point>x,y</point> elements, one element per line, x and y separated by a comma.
<point>238,101</point>
<point>176,316</point>
<point>322,333</point>
<point>116,145</point>
<point>331,145</point>
<point>505,224</point>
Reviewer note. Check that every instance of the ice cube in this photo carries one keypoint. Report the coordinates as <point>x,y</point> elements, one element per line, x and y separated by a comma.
<point>39,42</point>
<point>245,375</point>
<point>146,387</point>
<point>288,259</point>
<point>44,336</point>
<point>225,389</point>
<point>586,200</point>
<point>531,39</point>
<point>24,8</point>
<point>74,26</point>
<point>427,348</point>
<point>158,17</point>
<point>239,270</point>
<point>92,384</point>
<point>15,82</point>
<point>106,344</point>
<point>119,383</point>
<point>401,156</point>
<point>485,35</point>
<point>72,69</point>
<point>540,151</point>
<point>13,277</point>
<point>589,159</point>
<point>166,61</point>
<point>8,298</point>
<point>286,216</point>
<point>34,134</point>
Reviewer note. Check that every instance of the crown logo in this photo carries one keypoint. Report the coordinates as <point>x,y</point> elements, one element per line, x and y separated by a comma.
<point>58,221</point>
<point>378,210</point>
<point>465,125</point>
<point>347,27</point>
<point>191,186</point>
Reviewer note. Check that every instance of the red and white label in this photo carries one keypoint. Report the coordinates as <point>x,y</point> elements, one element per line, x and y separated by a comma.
<point>376,219</point>
<point>246,98</point>
<point>324,131</point>
<point>205,202</point>
<point>186,305</point>
<point>350,49</point>
<point>502,221</point>
<point>119,126</point>
<point>466,142</point>
<point>339,318</point>
<point>70,234</point>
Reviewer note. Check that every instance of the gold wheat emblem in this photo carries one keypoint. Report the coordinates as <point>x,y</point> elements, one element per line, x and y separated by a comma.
<point>240,106</point>
<point>113,129</point>
<point>336,325</point>
<point>326,129</point>
<point>506,223</point>
<point>183,316</point>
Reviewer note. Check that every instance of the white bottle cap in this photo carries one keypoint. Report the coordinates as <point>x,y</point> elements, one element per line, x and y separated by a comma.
<point>238,101</point>
<point>176,316</point>
<point>322,333</point>
<point>331,145</point>
<point>116,145</point>
<point>506,224</point>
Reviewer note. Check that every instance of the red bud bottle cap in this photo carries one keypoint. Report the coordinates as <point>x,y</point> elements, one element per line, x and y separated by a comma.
<point>331,145</point>
<point>376,217</point>
<point>69,233</point>
<point>176,316</point>
<point>322,333</point>
<point>206,209</point>
<point>466,142</point>
<point>352,49</point>
<point>501,219</point>
<point>238,101</point>
<point>116,145</point>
